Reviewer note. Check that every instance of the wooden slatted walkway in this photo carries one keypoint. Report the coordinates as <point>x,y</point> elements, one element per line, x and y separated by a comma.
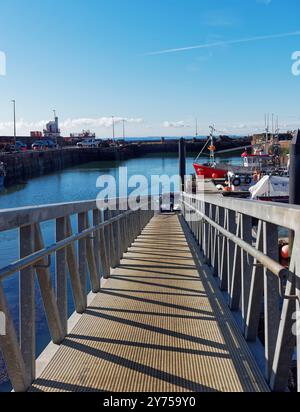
<point>159,324</point>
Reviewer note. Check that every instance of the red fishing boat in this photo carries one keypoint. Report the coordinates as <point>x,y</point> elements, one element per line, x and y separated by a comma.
<point>209,171</point>
<point>253,166</point>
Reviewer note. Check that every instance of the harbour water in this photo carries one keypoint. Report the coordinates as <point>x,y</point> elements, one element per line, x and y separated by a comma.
<point>75,184</point>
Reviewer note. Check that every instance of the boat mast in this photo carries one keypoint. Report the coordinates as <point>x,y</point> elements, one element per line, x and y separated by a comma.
<point>212,152</point>
<point>267,122</point>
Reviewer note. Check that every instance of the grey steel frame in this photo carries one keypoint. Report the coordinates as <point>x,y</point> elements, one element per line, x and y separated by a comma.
<point>248,271</point>
<point>100,244</point>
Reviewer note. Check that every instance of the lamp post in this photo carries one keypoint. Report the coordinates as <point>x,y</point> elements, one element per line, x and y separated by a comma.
<point>15,127</point>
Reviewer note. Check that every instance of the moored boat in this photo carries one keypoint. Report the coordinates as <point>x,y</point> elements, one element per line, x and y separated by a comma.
<point>209,171</point>
<point>271,189</point>
<point>253,166</point>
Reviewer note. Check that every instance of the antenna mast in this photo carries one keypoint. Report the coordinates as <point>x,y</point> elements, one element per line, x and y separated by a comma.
<point>267,118</point>
<point>113,128</point>
<point>212,146</point>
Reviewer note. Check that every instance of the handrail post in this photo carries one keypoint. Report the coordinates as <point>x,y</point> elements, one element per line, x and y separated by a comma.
<point>27,304</point>
<point>74,273</point>
<point>112,241</point>
<point>96,243</point>
<point>48,295</point>
<point>230,248</point>
<point>61,275</point>
<point>82,256</point>
<point>104,248</point>
<point>91,261</point>
<point>11,350</point>
<point>256,292</point>
<point>271,298</point>
<point>246,266</point>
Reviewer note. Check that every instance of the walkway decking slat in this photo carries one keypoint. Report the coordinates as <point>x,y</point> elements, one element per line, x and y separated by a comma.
<point>157,325</point>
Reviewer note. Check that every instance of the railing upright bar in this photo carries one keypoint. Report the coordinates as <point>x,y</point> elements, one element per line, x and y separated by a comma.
<point>82,256</point>
<point>230,248</point>
<point>119,235</point>
<point>209,237</point>
<point>42,269</point>
<point>256,292</point>
<point>220,243</point>
<point>116,235</point>
<point>61,275</point>
<point>123,232</point>
<point>126,234</point>
<point>96,241</point>
<point>74,272</point>
<point>236,280</point>
<point>27,304</point>
<point>206,232</point>
<point>246,266</point>
<point>91,261</point>
<point>10,348</point>
<point>104,248</point>
<point>107,234</point>
<point>271,297</point>
<point>202,228</point>
<point>224,259</point>
<point>112,241</point>
<point>215,256</point>
<point>131,230</point>
<point>297,324</point>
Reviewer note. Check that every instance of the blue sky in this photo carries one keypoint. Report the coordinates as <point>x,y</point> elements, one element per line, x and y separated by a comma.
<point>92,59</point>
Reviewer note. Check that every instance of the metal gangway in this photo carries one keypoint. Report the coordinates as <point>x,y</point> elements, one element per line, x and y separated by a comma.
<point>163,302</point>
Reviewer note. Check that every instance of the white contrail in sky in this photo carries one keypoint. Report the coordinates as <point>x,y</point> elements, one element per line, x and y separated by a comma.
<point>225,42</point>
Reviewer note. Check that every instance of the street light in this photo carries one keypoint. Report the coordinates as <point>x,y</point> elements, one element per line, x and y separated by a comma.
<point>15,127</point>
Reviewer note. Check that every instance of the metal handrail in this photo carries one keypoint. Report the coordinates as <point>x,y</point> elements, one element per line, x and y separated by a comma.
<point>47,251</point>
<point>266,261</point>
<point>23,216</point>
<point>280,214</point>
<point>248,283</point>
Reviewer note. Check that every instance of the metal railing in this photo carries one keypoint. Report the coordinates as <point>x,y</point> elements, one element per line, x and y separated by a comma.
<point>84,257</point>
<point>239,240</point>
